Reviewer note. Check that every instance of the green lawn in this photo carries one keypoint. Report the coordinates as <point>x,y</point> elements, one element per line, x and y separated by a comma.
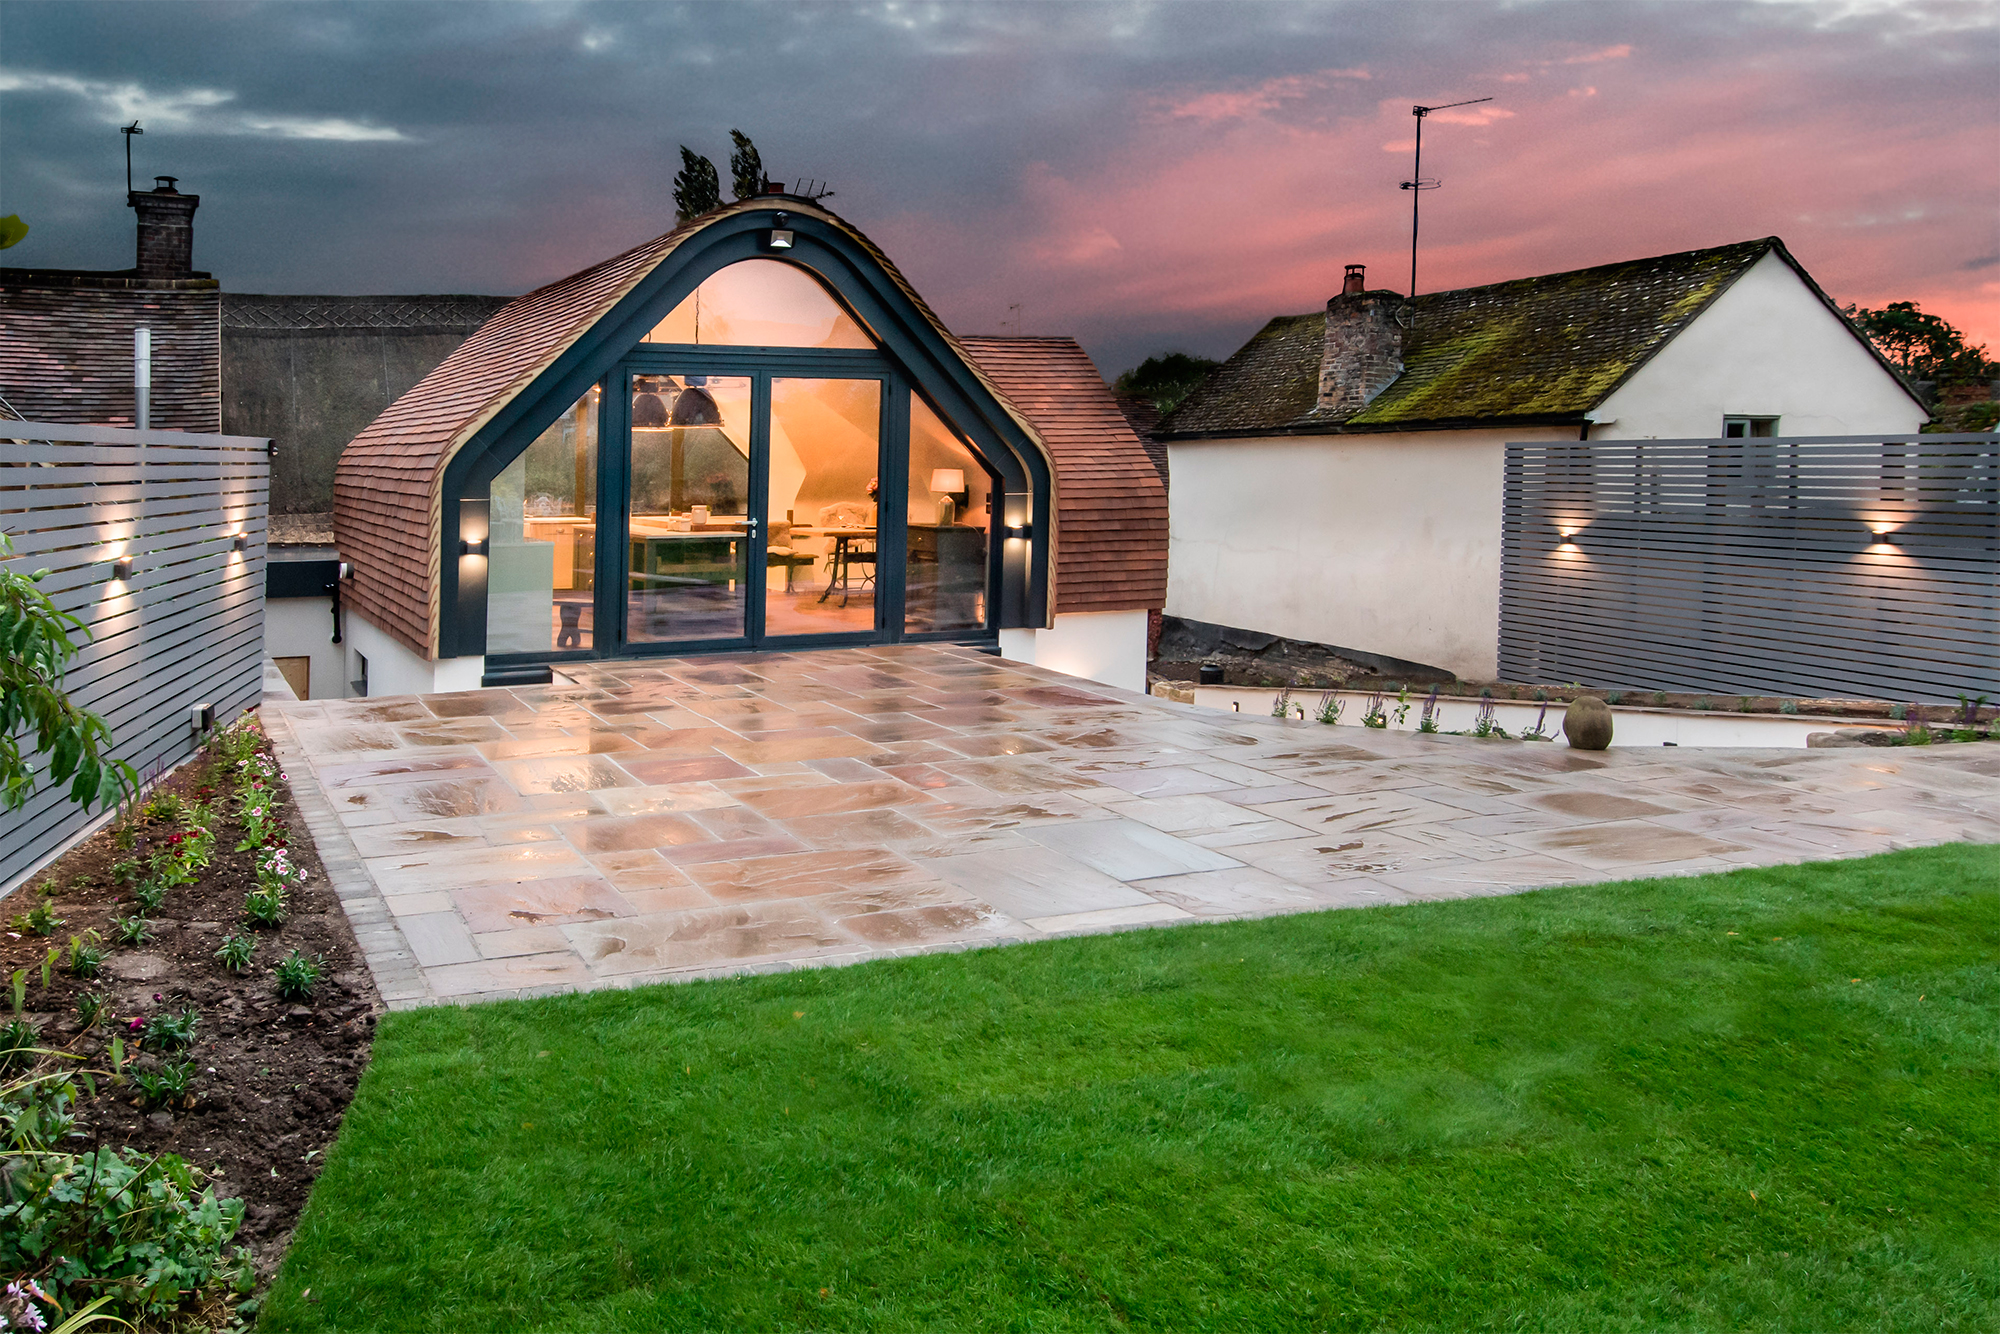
<point>1767,1100</point>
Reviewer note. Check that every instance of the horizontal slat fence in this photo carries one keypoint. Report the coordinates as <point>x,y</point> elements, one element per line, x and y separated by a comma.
<point>188,626</point>
<point>1822,567</point>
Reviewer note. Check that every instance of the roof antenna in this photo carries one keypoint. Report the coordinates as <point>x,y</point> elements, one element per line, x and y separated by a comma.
<point>1420,182</point>
<point>128,131</point>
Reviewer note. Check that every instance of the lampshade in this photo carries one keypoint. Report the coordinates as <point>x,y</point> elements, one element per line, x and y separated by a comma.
<point>948,479</point>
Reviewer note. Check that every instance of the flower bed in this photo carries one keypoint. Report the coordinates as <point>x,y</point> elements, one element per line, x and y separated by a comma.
<point>188,974</point>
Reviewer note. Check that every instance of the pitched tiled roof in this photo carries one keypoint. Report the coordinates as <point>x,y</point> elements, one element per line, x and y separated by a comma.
<point>1111,508</point>
<point>1551,347</point>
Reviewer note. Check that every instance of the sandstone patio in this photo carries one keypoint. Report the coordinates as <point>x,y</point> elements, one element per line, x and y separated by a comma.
<point>655,820</point>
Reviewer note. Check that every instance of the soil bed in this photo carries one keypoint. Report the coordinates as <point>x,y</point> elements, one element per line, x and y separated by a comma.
<point>274,1077</point>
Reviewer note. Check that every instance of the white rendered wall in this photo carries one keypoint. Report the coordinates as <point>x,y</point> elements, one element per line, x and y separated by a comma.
<point>303,628</point>
<point>1385,543</point>
<point>1107,646</point>
<point>394,670</point>
<point>1767,347</point>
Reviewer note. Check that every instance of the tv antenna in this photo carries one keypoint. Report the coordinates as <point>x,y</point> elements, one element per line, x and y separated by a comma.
<point>128,131</point>
<point>1419,182</point>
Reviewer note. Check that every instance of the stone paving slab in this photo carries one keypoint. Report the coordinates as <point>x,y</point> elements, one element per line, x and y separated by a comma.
<point>663,819</point>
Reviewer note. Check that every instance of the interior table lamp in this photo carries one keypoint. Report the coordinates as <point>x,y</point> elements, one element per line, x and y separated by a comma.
<point>950,481</point>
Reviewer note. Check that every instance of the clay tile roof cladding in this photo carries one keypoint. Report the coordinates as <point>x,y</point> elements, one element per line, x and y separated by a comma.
<point>385,487</point>
<point>1111,508</point>
<point>1534,348</point>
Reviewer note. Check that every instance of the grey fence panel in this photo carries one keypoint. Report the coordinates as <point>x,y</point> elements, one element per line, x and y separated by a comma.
<point>1835,566</point>
<point>188,626</point>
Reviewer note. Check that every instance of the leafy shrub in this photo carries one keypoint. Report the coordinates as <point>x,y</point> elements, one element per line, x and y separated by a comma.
<point>133,930</point>
<point>298,973</point>
<point>40,920</point>
<point>236,951</point>
<point>168,1030</point>
<point>142,1228</point>
<point>164,806</point>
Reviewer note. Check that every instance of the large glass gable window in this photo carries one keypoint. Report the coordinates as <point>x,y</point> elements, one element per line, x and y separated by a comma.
<point>761,303</point>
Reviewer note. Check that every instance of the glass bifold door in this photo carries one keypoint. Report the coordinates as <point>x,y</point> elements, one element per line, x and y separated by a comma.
<point>754,508</point>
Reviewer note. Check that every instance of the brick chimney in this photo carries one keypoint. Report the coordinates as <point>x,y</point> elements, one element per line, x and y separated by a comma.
<point>1364,345</point>
<point>166,229</point>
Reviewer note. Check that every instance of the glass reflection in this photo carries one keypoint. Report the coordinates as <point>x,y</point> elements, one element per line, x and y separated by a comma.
<point>761,303</point>
<point>825,457</point>
<point>689,553</point>
<point>950,522</point>
<point>542,551</point>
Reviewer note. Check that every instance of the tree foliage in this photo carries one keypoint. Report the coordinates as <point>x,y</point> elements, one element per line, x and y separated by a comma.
<point>746,168</point>
<point>1922,346</point>
<point>697,188</point>
<point>35,647</point>
<point>1165,380</point>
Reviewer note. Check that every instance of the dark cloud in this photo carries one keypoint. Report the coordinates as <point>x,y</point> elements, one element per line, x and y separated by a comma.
<point>1142,175</point>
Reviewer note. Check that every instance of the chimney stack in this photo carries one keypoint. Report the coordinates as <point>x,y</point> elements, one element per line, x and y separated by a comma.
<point>166,230</point>
<point>1364,345</point>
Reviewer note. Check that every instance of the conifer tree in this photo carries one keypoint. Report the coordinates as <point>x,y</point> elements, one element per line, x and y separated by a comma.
<point>697,188</point>
<point>746,168</point>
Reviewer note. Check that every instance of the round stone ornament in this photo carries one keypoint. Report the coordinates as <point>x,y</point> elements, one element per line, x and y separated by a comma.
<point>1587,723</point>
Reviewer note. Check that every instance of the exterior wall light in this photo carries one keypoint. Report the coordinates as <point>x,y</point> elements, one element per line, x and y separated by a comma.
<point>121,569</point>
<point>240,543</point>
<point>1017,532</point>
<point>469,547</point>
<point>781,235</point>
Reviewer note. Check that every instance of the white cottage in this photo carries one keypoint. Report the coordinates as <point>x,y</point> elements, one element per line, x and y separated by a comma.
<point>1338,480</point>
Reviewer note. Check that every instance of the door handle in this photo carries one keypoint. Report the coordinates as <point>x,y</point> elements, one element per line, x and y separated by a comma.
<point>751,524</point>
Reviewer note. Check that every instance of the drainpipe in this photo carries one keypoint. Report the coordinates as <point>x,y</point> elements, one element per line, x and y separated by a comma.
<point>142,377</point>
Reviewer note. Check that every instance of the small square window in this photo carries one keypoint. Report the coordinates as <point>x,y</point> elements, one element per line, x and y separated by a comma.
<point>1738,428</point>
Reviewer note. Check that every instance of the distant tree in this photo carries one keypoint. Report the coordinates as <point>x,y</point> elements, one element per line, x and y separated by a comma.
<point>34,648</point>
<point>697,189</point>
<point>1923,347</point>
<point>746,169</point>
<point>12,230</point>
<point>1166,380</point>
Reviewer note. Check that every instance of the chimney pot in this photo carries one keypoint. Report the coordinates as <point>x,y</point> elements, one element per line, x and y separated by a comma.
<point>1356,280</point>
<point>166,230</point>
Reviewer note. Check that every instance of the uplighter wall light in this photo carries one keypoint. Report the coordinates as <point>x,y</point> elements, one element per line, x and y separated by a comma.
<point>121,569</point>
<point>241,542</point>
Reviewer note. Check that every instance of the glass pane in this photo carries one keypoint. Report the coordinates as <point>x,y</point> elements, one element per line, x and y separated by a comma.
<point>951,504</point>
<point>825,451</point>
<point>690,548</point>
<point>761,303</point>
<point>543,540</point>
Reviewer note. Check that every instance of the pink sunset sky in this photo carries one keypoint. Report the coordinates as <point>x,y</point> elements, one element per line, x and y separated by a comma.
<point>1145,177</point>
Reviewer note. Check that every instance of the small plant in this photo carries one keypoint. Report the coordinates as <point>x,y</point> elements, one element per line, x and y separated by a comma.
<point>134,930</point>
<point>1659,699</point>
<point>1427,725</point>
<point>298,973</point>
<point>86,957</point>
<point>169,1031</point>
<point>1613,696</point>
<point>1540,731</point>
<point>1486,724</point>
<point>127,871</point>
<point>169,1086</point>
<point>1330,706</point>
<point>20,1041</point>
<point>1541,695</point>
<point>1375,715</point>
<point>1282,705</point>
<point>1916,730</point>
<point>1402,705</point>
<point>1968,713</point>
<point>1743,704</point>
<point>236,951</point>
<point>264,906</point>
<point>92,1006</point>
<point>149,895</point>
<point>1704,703</point>
<point>1899,711</point>
<point>1788,706</point>
<point>40,920</point>
<point>163,806</point>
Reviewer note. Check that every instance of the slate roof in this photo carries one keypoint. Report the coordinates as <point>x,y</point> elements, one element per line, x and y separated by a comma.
<point>1111,507</point>
<point>1545,349</point>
